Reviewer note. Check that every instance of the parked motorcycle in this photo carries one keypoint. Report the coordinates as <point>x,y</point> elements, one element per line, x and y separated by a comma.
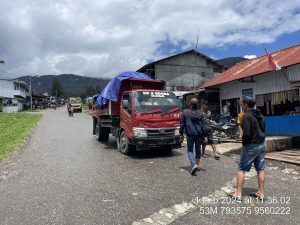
<point>225,128</point>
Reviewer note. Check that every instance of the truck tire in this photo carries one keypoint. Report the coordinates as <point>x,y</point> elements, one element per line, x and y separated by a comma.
<point>123,144</point>
<point>102,133</point>
<point>97,132</point>
<point>94,126</point>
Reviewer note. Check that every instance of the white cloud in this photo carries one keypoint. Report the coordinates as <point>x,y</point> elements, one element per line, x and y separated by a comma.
<point>250,56</point>
<point>102,38</point>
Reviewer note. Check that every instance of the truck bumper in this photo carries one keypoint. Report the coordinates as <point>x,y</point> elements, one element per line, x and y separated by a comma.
<point>146,143</point>
<point>77,109</point>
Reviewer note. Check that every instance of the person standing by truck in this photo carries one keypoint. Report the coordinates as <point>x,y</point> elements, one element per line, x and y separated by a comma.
<point>193,123</point>
<point>210,138</point>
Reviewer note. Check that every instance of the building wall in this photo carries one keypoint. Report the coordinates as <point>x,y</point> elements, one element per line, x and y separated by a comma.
<point>294,72</point>
<point>9,90</point>
<point>270,82</point>
<point>14,107</point>
<point>6,88</point>
<point>185,70</point>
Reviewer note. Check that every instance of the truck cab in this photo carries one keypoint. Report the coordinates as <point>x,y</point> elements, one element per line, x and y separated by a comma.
<point>76,103</point>
<point>149,118</point>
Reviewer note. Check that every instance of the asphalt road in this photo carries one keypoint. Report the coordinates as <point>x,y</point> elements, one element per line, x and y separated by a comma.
<point>62,175</point>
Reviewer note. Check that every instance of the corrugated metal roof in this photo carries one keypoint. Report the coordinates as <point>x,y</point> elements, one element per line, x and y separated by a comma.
<point>251,67</point>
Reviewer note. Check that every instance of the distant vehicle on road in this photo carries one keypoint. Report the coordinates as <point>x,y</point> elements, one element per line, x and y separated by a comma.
<point>76,103</point>
<point>142,116</point>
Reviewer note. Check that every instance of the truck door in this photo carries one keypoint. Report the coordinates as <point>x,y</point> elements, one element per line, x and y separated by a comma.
<point>126,114</point>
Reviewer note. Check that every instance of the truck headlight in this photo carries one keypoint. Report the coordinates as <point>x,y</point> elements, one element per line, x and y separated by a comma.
<point>139,132</point>
<point>177,131</point>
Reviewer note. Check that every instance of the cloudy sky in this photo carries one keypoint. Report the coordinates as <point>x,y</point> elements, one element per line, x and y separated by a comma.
<point>101,38</point>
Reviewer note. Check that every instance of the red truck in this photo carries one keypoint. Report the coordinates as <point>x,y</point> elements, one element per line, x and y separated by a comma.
<point>144,116</point>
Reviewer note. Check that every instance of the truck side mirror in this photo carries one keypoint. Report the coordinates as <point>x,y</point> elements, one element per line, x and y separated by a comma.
<point>125,104</point>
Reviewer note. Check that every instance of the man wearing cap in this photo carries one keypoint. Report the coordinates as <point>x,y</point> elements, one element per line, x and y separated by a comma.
<point>253,151</point>
<point>193,123</point>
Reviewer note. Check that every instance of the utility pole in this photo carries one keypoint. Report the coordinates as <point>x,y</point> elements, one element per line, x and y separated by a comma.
<point>30,92</point>
<point>194,73</point>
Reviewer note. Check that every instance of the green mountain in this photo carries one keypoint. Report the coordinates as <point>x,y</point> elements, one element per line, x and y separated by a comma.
<point>231,61</point>
<point>72,84</point>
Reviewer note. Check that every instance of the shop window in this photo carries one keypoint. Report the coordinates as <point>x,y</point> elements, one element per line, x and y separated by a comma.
<point>279,103</point>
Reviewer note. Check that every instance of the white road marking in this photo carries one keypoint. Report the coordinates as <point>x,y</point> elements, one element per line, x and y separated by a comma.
<point>167,215</point>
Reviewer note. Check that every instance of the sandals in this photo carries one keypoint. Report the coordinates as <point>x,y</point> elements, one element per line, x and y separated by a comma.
<point>254,195</point>
<point>235,198</point>
<point>217,157</point>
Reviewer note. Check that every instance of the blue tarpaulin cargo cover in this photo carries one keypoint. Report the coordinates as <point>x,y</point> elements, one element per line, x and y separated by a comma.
<point>95,97</point>
<point>111,91</point>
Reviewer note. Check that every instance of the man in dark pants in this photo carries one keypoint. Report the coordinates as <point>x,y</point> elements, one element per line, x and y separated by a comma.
<point>253,151</point>
<point>193,121</point>
<point>209,132</point>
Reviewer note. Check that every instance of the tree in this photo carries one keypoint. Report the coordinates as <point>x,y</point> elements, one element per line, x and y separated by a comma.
<point>97,90</point>
<point>57,89</point>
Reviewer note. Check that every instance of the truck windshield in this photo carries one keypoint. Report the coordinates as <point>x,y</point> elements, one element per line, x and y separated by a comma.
<point>155,102</point>
<point>75,101</point>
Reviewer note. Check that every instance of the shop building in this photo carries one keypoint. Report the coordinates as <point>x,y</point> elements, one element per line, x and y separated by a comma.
<point>185,71</point>
<point>276,91</point>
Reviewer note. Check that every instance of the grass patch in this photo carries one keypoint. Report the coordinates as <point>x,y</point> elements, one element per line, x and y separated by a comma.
<point>31,110</point>
<point>85,107</point>
<point>14,129</point>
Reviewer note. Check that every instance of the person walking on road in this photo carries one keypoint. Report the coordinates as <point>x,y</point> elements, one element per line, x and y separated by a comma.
<point>210,138</point>
<point>193,123</point>
<point>253,151</point>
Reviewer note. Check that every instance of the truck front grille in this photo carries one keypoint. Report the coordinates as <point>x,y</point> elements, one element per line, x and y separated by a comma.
<point>161,132</point>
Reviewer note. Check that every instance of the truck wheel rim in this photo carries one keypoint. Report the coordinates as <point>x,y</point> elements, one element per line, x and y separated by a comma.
<point>122,142</point>
<point>97,132</point>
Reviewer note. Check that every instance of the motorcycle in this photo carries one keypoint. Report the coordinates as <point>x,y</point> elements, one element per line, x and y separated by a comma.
<point>71,111</point>
<point>225,128</point>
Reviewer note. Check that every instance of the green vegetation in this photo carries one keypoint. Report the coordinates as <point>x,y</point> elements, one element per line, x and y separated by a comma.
<point>14,129</point>
<point>90,91</point>
<point>57,89</point>
<point>85,106</point>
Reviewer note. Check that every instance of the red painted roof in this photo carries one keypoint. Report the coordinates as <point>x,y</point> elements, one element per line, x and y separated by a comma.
<point>248,68</point>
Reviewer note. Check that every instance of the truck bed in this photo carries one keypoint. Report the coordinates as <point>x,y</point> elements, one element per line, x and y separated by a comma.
<point>112,108</point>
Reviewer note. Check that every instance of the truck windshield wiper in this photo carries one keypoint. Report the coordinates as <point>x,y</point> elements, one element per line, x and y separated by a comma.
<point>171,110</point>
<point>151,111</point>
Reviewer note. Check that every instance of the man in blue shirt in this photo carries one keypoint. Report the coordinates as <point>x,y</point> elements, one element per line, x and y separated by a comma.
<point>193,123</point>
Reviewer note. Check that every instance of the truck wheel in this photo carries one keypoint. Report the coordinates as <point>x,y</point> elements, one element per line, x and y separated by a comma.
<point>94,125</point>
<point>102,133</point>
<point>97,133</point>
<point>123,144</point>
